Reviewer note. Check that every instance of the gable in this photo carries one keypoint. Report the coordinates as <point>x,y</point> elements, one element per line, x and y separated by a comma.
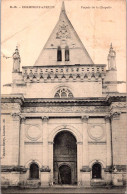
<point>63,36</point>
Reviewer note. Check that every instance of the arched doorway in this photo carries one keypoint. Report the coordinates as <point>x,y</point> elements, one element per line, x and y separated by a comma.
<point>96,171</point>
<point>64,176</point>
<point>65,158</point>
<point>34,171</point>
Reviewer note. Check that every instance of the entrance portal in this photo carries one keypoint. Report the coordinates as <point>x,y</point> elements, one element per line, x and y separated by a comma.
<point>65,158</point>
<point>64,175</point>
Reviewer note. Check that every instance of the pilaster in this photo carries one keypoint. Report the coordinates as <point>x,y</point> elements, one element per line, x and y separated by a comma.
<point>22,130</point>
<point>50,148</point>
<point>15,138</point>
<point>45,151</point>
<point>79,161</point>
<point>108,139</point>
<point>85,140</point>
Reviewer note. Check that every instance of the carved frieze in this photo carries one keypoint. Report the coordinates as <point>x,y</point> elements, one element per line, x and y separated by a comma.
<point>10,107</point>
<point>76,109</point>
<point>118,107</point>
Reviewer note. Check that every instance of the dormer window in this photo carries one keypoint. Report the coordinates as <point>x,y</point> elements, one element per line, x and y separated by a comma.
<point>66,53</point>
<point>63,93</point>
<point>59,54</point>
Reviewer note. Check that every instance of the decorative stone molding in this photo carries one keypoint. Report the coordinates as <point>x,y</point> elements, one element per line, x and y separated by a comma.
<point>12,98</point>
<point>119,105</point>
<point>63,31</point>
<point>23,119</point>
<point>33,132</point>
<point>107,118</point>
<point>85,169</point>
<point>69,128</point>
<point>119,168</point>
<point>6,168</point>
<point>10,106</point>
<point>97,142</point>
<point>45,169</point>
<point>79,143</point>
<point>57,73</point>
<point>108,169</point>
<point>116,115</point>
<point>66,109</point>
<point>96,132</point>
<point>16,116</point>
<point>50,142</point>
<point>84,118</point>
<point>45,119</point>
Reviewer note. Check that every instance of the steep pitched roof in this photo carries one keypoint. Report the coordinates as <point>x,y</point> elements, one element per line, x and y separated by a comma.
<point>63,35</point>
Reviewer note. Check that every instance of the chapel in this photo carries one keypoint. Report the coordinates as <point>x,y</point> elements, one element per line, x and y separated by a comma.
<point>64,122</point>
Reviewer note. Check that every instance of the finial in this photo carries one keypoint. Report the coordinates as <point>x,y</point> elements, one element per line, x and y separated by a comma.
<point>16,48</point>
<point>111,46</point>
<point>111,58</point>
<point>63,6</point>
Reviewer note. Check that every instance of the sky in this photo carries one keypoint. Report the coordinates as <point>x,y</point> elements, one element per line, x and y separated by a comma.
<point>97,22</point>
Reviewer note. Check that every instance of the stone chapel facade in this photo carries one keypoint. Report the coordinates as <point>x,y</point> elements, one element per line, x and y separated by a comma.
<point>65,121</point>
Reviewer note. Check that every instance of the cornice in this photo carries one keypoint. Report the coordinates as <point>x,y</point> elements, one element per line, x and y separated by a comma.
<point>6,168</point>
<point>96,101</point>
<point>55,66</point>
<point>12,98</point>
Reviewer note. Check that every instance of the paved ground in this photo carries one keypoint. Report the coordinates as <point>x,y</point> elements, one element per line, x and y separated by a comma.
<point>65,190</point>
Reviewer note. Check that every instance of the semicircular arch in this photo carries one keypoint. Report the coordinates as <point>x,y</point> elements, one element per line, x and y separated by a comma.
<point>68,128</point>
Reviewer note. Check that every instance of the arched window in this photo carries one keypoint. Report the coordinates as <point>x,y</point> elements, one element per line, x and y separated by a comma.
<point>34,171</point>
<point>96,171</point>
<point>66,53</point>
<point>63,93</point>
<point>59,54</point>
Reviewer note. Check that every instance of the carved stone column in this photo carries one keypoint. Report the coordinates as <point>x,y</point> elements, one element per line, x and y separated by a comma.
<point>85,140</point>
<point>15,138</point>
<point>45,141</point>
<point>22,131</point>
<point>108,138</point>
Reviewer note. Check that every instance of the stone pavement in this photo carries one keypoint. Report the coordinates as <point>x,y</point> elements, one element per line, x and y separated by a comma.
<point>62,190</point>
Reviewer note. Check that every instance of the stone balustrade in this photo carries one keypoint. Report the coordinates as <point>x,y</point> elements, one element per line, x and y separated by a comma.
<point>63,73</point>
